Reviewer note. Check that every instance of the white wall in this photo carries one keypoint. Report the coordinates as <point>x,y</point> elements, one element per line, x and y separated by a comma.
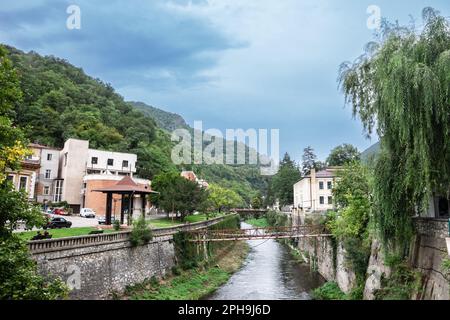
<point>73,167</point>
<point>118,158</point>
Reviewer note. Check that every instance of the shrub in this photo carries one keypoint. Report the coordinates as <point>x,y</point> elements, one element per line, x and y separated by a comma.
<point>141,233</point>
<point>19,278</point>
<point>401,284</point>
<point>329,291</point>
<point>116,225</point>
<point>176,271</point>
<point>276,219</point>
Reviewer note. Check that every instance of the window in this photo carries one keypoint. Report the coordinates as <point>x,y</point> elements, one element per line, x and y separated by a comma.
<point>321,185</point>
<point>46,190</point>
<point>23,183</point>
<point>49,157</point>
<point>10,178</point>
<point>58,191</point>
<point>48,174</point>
<point>322,200</point>
<point>124,164</point>
<point>94,160</point>
<point>110,162</point>
<point>329,185</point>
<point>330,200</point>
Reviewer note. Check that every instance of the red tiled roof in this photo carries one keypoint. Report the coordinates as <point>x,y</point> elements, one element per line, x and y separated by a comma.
<point>126,185</point>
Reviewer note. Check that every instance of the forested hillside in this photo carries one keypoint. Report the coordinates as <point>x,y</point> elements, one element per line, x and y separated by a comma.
<point>60,101</point>
<point>165,120</point>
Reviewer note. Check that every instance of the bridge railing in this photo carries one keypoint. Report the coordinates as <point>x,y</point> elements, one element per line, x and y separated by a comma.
<point>36,246</point>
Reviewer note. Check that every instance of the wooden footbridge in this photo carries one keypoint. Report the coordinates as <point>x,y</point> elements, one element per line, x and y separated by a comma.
<point>303,231</point>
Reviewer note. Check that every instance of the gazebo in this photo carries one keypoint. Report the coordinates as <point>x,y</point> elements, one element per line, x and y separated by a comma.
<point>128,189</point>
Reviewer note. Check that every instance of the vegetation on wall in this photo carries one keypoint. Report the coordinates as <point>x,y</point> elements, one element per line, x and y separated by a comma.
<point>402,283</point>
<point>349,224</point>
<point>400,87</point>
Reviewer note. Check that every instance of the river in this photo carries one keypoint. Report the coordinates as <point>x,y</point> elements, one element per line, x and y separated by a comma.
<point>269,273</point>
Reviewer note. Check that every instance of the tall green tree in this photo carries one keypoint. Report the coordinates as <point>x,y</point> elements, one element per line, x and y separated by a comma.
<point>177,194</point>
<point>221,198</point>
<point>283,182</point>
<point>19,278</point>
<point>343,154</point>
<point>309,161</point>
<point>401,88</point>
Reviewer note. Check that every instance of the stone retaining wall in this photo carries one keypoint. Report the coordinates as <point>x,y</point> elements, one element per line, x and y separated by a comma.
<point>96,266</point>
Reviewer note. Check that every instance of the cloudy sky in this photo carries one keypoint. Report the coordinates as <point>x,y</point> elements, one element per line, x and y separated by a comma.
<point>230,63</point>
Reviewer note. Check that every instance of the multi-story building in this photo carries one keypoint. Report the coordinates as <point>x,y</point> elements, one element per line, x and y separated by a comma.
<point>47,176</point>
<point>313,193</point>
<point>83,169</point>
<point>26,177</point>
<point>71,175</point>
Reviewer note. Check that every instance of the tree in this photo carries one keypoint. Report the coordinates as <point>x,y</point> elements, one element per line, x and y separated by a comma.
<point>221,198</point>
<point>342,155</point>
<point>401,87</point>
<point>283,182</point>
<point>177,194</point>
<point>309,161</point>
<point>257,201</point>
<point>19,278</point>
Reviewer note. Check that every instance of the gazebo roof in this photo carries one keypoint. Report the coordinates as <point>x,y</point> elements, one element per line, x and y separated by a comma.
<point>126,185</point>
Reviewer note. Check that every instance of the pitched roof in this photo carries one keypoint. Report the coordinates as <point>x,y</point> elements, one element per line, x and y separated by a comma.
<point>126,185</point>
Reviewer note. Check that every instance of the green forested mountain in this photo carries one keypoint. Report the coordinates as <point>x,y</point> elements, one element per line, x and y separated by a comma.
<point>60,101</point>
<point>166,120</point>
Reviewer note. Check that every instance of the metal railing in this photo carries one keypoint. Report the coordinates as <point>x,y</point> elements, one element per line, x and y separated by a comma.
<point>37,246</point>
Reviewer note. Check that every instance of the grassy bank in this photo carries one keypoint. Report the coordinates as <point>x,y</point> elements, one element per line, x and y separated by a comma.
<point>61,233</point>
<point>259,223</point>
<point>195,283</point>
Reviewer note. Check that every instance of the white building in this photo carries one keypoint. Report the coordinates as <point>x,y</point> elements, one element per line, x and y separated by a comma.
<point>77,161</point>
<point>313,193</point>
<point>48,172</point>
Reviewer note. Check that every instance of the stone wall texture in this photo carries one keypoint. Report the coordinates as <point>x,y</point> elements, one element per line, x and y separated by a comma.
<point>428,249</point>
<point>96,271</point>
<point>427,252</point>
<point>331,265</point>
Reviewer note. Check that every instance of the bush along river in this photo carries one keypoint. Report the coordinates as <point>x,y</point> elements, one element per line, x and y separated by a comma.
<point>241,270</point>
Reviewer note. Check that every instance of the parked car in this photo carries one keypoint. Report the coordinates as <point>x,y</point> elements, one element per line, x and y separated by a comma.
<point>87,213</point>
<point>59,211</point>
<point>58,222</point>
<point>102,220</point>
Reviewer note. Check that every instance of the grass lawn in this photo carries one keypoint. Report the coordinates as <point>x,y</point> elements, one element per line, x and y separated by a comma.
<point>168,222</point>
<point>61,233</point>
<point>196,283</point>
<point>259,223</point>
<point>164,223</point>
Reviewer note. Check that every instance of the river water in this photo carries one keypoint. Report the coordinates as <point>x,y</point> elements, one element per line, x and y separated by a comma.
<point>269,273</point>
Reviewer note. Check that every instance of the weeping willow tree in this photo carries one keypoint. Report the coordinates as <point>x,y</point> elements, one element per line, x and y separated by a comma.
<point>400,87</point>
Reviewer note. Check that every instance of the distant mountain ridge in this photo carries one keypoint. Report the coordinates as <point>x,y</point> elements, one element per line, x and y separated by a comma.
<point>166,120</point>
<point>370,152</point>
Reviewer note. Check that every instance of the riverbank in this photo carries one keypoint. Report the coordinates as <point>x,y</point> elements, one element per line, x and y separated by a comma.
<point>196,283</point>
